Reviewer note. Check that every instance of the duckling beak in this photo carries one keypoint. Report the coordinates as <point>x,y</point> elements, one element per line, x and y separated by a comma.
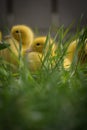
<point>29,50</point>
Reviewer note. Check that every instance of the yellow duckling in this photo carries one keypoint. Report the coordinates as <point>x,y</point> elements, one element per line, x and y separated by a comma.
<point>23,34</point>
<point>10,54</point>
<point>81,56</point>
<point>35,52</point>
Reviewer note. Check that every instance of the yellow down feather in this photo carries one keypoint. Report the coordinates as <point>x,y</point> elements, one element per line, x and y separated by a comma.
<point>35,52</point>
<point>34,61</point>
<point>23,34</point>
<point>10,54</point>
<point>71,52</point>
<point>39,45</point>
<point>0,36</point>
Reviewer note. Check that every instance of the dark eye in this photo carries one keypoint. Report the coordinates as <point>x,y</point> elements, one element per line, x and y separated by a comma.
<point>38,44</point>
<point>17,31</point>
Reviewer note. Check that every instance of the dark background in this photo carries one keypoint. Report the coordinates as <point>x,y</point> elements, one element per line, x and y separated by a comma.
<point>42,14</point>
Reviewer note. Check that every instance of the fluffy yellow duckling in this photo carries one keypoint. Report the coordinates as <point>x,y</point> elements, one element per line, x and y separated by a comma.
<point>10,54</point>
<point>35,52</point>
<point>23,34</point>
<point>71,52</point>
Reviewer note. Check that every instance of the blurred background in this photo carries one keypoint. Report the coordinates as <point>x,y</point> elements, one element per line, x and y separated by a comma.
<point>41,14</point>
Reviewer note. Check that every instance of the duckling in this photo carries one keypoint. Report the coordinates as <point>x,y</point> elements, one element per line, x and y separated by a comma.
<point>23,34</point>
<point>36,51</point>
<point>81,54</point>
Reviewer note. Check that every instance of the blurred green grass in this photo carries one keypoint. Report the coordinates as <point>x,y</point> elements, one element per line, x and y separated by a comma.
<point>51,98</point>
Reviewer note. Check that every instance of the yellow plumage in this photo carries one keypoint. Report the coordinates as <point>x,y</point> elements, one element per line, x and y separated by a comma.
<point>34,61</point>
<point>10,54</point>
<point>81,54</point>
<point>23,34</point>
<point>35,52</point>
<point>71,50</point>
<point>70,54</point>
<point>19,34</point>
<point>85,47</point>
<point>0,36</point>
<point>66,63</point>
<point>39,45</point>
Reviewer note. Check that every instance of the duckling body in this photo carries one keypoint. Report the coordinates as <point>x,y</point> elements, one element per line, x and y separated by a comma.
<point>70,54</point>
<point>10,54</point>
<point>34,61</point>
<point>81,54</point>
<point>36,52</point>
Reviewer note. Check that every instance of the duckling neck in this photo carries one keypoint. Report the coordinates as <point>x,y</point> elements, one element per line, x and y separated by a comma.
<point>25,45</point>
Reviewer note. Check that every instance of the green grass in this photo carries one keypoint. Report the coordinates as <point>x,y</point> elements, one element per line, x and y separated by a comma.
<point>51,98</point>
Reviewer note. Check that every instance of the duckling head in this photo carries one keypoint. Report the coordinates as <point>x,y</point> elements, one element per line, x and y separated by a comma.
<point>39,44</point>
<point>23,34</point>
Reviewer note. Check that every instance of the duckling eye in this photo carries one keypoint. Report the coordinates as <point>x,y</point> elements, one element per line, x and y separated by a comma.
<point>17,31</point>
<point>38,44</point>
